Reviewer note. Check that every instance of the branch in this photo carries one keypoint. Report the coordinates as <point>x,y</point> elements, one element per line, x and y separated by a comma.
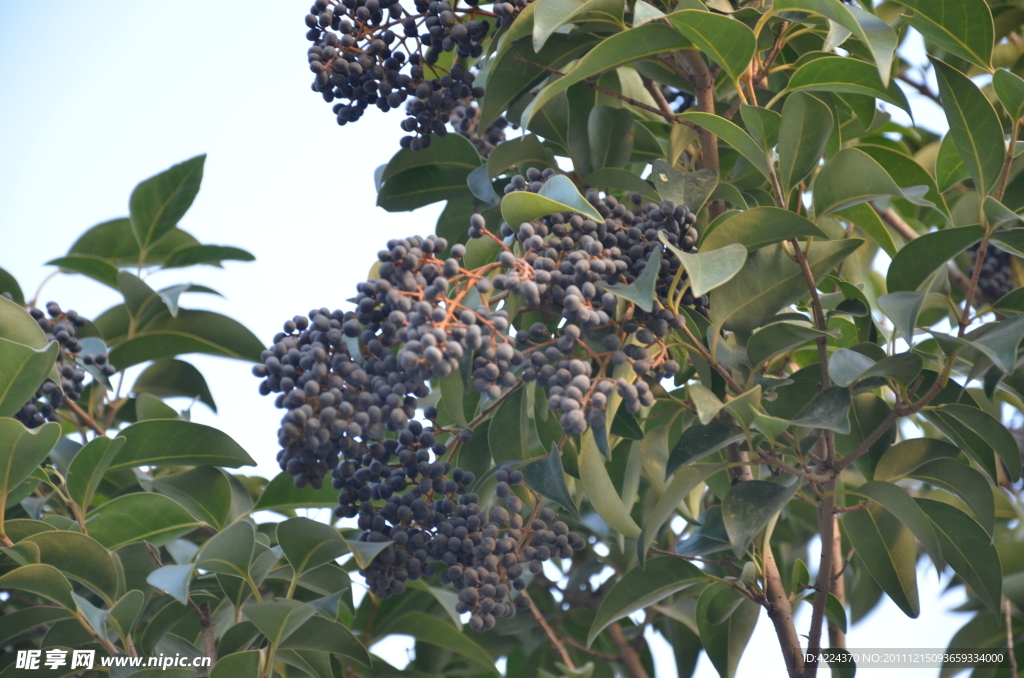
<point>704,89</point>
<point>552,636</point>
<point>84,417</point>
<point>206,625</point>
<point>630,659</point>
<point>836,636</point>
<point>1008,617</point>
<point>780,611</point>
<point>920,87</point>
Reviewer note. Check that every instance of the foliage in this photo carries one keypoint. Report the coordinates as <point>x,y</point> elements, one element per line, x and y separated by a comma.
<point>652,351</point>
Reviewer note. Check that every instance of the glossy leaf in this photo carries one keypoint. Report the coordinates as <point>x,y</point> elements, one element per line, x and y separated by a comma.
<point>770,280</point>
<point>319,633</point>
<point>973,124</point>
<point>1009,87</point>
<point>641,290</point>
<point>610,133</point>
<point>731,134</point>
<point>204,491</point>
<point>846,366</point>
<point>190,332</point>
<point>170,378</point>
<point>80,557</point>
<point>45,581</point>
<point>777,339</point>
<point>278,619</point>
<point>898,502</point>
<point>684,188</point>
<point>282,495</point>
<point>919,258</point>
<point>726,41</point>
<point>963,27</point>
<point>708,270</point>
<point>758,227</point>
<point>88,467</point>
<point>851,177</point>
<point>968,549</point>
<point>886,547</point>
<point>682,483</point>
<point>845,75</point>
<point>173,580</point>
<point>620,179</point>
<point>726,641</point>
<point>1000,341</point>
<point>963,481</point>
<point>22,372</point>
<point>509,430</point>
<point>167,442</point>
<point>22,450</point>
<point>308,544</point>
<point>750,506</point>
<point>829,410</point>
<point>364,551</point>
<point>9,284</point>
<point>950,167</point>
<point>622,48</point>
<point>806,126</point>
<point>97,268</point>
<point>229,552</point>
<point>158,203</point>
<point>992,431</point>
<point>212,255</point>
<point>907,173</point>
<point>600,489</point>
<point>698,442</point>
<point>558,194</point>
<point>546,477</point>
<point>641,587</point>
<point>550,15</point>
<point>907,455</point>
<point>136,517</point>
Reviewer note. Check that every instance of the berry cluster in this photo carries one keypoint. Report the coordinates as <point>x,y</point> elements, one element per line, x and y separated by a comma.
<point>996,278</point>
<point>359,59</point>
<point>71,365</point>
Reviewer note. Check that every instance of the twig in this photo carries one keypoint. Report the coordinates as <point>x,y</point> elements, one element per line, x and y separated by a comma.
<point>655,91</point>
<point>600,655</point>
<point>206,625</point>
<point>780,611</point>
<point>84,417</point>
<point>920,87</point>
<point>552,636</point>
<point>836,636</point>
<point>704,89</point>
<point>1008,617</point>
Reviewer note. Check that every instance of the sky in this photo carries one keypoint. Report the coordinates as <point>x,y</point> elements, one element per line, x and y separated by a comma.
<point>146,85</point>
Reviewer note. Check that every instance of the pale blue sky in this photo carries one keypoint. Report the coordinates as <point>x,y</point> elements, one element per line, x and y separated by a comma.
<point>142,86</point>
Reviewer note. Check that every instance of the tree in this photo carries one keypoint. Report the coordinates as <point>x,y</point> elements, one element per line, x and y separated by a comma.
<point>653,338</point>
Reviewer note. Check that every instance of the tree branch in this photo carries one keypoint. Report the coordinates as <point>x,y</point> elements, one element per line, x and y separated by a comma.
<point>836,636</point>
<point>83,417</point>
<point>628,656</point>
<point>704,88</point>
<point>552,636</point>
<point>206,626</point>
<point>780,611</point>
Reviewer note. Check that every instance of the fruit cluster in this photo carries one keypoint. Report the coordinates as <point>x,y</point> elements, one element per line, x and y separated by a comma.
<point>996,278</point>
<point>379,53</point>
<point>72,365</point>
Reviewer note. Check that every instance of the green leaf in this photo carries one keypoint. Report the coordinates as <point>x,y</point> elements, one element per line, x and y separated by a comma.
<point>642,587</point>
<point>150,407</point>
<point>626,426</point>
<point>282,495</point>
<point>610,132</point>
<point>907,455</point>
<point>211,255</point>
<point>614,178</point>
<point>550,15</point>
<point>777,339</point>
<point>450,151</point>
<point>516,68</point>
<point>876,35</point>
<point>902,308</point>
<point>1000,342</point>
<point>45,581</point>
<point>770,280</point>
<point>898,502</point>
<point>750,506</point>
<point>558,194</point>
<point>758,227</point>
<point>364,551</point>
<point>22,371</point>
<point>433,631</point>
<point>886,547</point>
<point>962,27</point>
<point>698,442</point>
<point>641,290</point>
<point>88,265</point>
<point>237,665</point>
<point>968,549</point>
<point>278,619</point>
<point>158,203</point>
<point>851,177</point>
<point>950,167</point>
<point>9,284</point>
<point>829,410</point>
<point>845,75</point>
<point>229,552</point>
<point>907,174</point>
<point>708,270</point>
<point>731,134</point>
<point>903,367</point>
<point>622,48</point>
<point>319,633</point>
<point>24,620</point>
<point>134,517</point>
<point>169,442</point>
<point>21,451</point>
<point>864,216</point>
<point>546,477</point>
<point>992,432</point>
<point>726,41</point>
<point>846,366</point>
<point>682,483</point>
<point>190,332</point>
<point>806,126</point>
<point>509,431</point>
<point>526,151</point>
<point>600,489</point>
<point>684,188</point>
<point>424,185</point>
<point>835,612</point>
<point>308,544</point>
<point>762,124</point>
<point>1009,87</point>
<point>171,378</point>
<point>79,557</point>
<point>725,642</point>
<point>87,469</point>
<point>973,124</point>
<point>172,580</point>
<point>204,491</point>
<point>709,537</point>
<point>963,481</point>
<point>919,258</point>
<point>115,242</point>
